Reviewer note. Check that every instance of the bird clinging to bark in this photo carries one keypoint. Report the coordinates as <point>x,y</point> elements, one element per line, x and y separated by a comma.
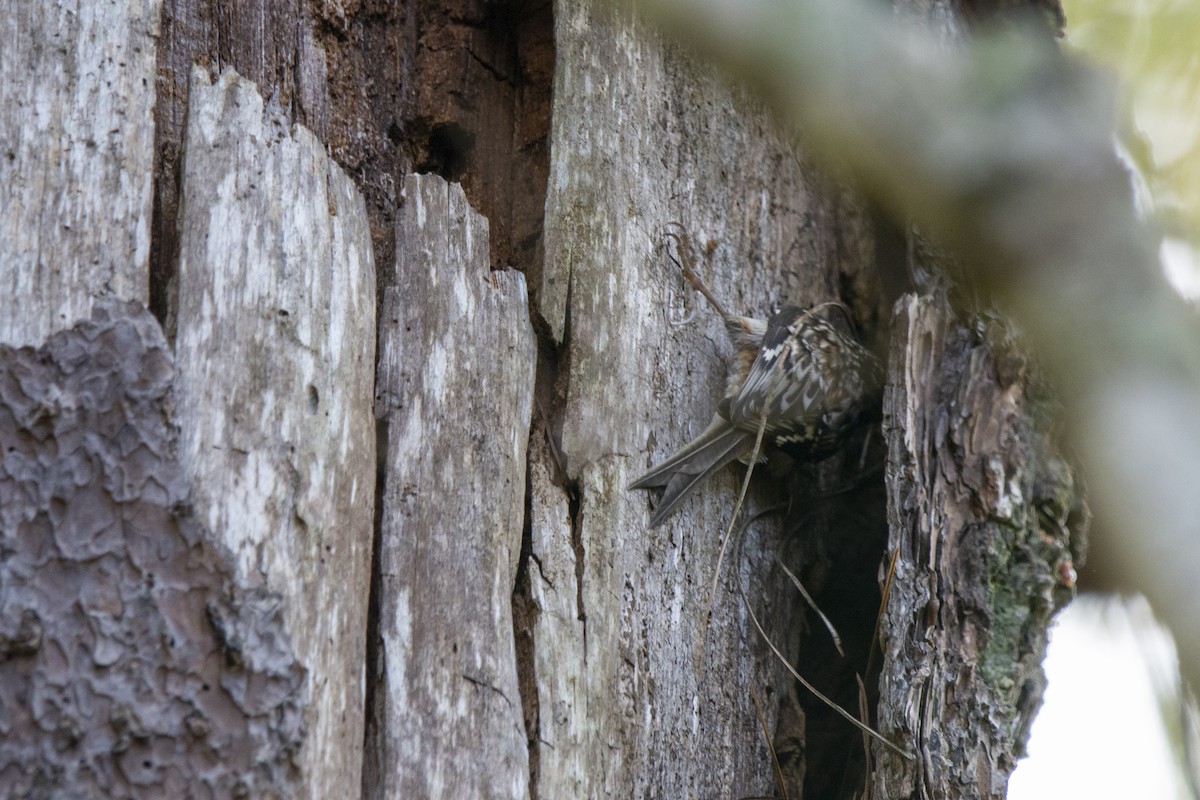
<point>799,378</point>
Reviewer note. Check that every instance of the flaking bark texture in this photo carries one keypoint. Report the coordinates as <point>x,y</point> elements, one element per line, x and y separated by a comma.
<point>186,551</point>
<point>132,661</point>
<point>986,523</point>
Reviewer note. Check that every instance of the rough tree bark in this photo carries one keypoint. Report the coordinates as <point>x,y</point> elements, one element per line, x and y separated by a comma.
<point>190,501</point>
<point>456,390</point>
<point>644,136</point>
<point>187,547</point>
<point>986,524</point>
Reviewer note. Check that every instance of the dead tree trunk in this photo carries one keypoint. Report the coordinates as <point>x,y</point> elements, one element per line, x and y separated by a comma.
<point>186,548</point>
<point>243,553</point>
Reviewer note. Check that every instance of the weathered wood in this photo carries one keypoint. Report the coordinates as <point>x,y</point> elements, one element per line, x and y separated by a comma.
<point>982,513</point>
<point>637,695</point>
<point>621,695</point>
<point>116,686</point>
<point>76,93</point>
<point>275,355</point>
<point>131,662</point>
<point>455,390</point>
<point>460,88</point>
<point>558,705</point>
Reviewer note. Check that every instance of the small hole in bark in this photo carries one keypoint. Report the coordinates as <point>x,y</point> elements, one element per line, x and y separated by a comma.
<point>449,148</point>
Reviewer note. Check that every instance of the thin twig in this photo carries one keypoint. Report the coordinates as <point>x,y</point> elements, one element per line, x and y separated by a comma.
<point>685,262</point>
<point>864,714</point>
<point>887,589</point>
<point>762,724</point>
<point>737,508</point>
<point>816,693</point>
<point>837,640</point>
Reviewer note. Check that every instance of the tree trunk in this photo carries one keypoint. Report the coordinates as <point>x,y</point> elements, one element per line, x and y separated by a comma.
<point>455,390</point>
<point>644,136</point>
<point>985,526</point>
<point>230,567</point>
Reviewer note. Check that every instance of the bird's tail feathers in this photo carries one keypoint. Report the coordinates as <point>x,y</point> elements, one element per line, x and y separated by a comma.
<point>684,471</point>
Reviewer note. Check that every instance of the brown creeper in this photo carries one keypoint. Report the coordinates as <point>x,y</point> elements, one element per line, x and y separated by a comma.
<point>807,384</point>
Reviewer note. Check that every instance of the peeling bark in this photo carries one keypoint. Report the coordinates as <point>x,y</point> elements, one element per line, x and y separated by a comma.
<point>200,508</point>
<point>132,660</point>
<point>986,523</point>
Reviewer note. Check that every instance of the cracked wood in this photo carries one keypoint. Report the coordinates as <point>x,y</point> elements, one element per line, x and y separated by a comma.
<point>275,352</point>
<point>455,391</point>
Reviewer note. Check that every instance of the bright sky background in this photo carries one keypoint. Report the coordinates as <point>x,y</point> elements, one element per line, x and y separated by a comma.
<point>1100,734</point>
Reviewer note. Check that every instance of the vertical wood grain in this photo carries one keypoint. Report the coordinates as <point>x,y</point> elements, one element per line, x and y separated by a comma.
<point>76,137</point>
<point>455,389</point>
<point>275,358</point>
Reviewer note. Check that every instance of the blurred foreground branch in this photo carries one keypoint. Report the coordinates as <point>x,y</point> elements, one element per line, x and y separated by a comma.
<point>1004,148</point>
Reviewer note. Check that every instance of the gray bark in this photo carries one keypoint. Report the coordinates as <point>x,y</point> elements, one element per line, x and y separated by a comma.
<point>636,695</point>
<point>217,642</point>
<point>455,390</point>
<point>275,358</point>
<point>530,636</point>
<point>76,139</point>
<point>131,663</point>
